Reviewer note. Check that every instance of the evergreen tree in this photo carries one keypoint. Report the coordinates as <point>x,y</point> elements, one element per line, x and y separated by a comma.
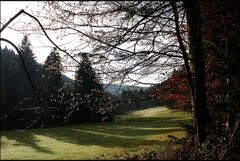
<point>91,102</point>
<point>32,68</point>
<point>52,83</point>
<point>28,55</point>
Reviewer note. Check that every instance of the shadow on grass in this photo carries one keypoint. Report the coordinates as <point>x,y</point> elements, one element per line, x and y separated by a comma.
<point>126,134</point>
<point>24,139</point>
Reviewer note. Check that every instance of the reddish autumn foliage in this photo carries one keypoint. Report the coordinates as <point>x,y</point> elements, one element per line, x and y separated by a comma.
<point>177,92</point>
<point>180,93</point>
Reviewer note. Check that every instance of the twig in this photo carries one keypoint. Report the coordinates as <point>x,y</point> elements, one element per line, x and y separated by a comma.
<point>11,19</point>
<point>231,139</point>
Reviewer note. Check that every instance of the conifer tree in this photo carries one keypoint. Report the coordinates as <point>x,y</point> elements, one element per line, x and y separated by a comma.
<point>92,103</point>
<point>52,77</point>
<point>25,90</point>
<point>28,55</point>
<point>32,67</point>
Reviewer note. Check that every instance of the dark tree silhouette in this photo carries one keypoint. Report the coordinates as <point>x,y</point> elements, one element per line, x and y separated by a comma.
<point>53,82</point>
<point>91,101</point>
<point>26,49</point>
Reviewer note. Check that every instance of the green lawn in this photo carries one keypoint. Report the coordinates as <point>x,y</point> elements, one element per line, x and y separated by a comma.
<point>134,133</point>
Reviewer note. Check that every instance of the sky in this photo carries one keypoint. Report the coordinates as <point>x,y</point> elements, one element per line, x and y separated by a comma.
<point>8,10</point>
<point>41,46</point>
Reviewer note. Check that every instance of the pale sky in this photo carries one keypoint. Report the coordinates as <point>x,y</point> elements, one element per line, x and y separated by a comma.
<point>41,45</point>
<point>8,10</point>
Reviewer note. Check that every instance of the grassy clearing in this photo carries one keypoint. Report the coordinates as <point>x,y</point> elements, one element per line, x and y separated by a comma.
<point>134,133</point>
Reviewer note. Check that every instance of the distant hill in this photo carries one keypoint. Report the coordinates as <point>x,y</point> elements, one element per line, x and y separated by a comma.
<point>114,89</point>
<point>117,89</point>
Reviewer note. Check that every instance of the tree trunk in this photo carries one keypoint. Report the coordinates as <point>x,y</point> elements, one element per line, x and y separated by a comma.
<point>199,104</point>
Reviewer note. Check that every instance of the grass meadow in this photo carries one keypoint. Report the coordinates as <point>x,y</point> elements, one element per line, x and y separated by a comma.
<point>131,134</point>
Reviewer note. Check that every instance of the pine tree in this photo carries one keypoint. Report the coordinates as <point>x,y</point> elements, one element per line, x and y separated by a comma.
<point>25,90</point>
<point>31,64</point>
<point>52,77</point>
<point>92,103</point>
<point>28,55</point>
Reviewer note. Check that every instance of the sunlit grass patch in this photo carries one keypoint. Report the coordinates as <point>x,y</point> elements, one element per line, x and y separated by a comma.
<point>135,133</point>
